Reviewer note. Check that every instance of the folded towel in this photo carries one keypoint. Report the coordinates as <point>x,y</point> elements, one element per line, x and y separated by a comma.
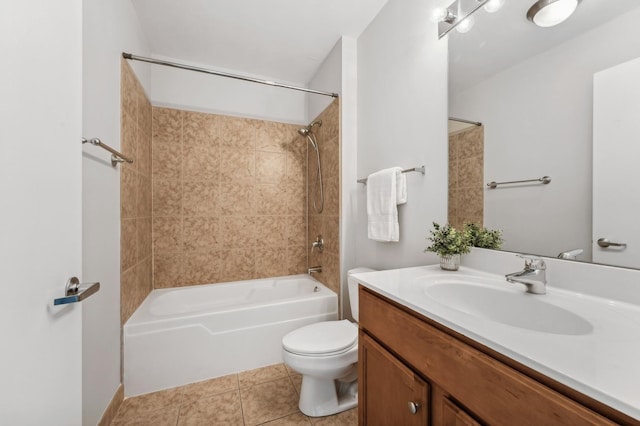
<point>401,186</point>
<point>382,200</point>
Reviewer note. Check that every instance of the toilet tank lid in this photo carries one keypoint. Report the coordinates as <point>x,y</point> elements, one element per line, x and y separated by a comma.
<point>321,338</point>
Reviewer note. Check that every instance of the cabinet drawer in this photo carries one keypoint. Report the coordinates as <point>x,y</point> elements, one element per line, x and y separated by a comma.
<point>494,392</point>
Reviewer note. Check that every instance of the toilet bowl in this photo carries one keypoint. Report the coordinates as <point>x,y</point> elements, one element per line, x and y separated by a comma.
<point>326,354</point>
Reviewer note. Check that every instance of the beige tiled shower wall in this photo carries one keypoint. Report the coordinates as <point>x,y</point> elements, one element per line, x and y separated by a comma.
<point>229,198</point>
<point>466,173</point>
<point>135,194</point>
<point>326,223</point>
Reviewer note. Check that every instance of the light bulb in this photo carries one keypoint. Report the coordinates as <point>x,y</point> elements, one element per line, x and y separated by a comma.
<point>442,14</point>
<point>493,5</point>
<point>465,25</point>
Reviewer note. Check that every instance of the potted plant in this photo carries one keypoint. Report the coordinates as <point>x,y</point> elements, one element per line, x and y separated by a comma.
<point>449,243</point>
<point>484,237</point>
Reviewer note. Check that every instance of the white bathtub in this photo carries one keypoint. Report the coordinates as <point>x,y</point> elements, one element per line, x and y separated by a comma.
<point>184,335</point>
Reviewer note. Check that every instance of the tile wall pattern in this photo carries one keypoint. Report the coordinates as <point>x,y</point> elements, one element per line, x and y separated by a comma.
<point>327,223</point>
<point>229,198</point>
<point>466,174</point>
<point>266,396</point>
<point>135,194</point>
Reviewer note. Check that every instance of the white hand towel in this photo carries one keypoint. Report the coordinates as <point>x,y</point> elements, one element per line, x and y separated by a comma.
<point>382,200</point>
<point>401,186</point>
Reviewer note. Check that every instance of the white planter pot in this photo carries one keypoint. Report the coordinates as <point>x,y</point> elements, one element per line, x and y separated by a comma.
<point>450,263</point>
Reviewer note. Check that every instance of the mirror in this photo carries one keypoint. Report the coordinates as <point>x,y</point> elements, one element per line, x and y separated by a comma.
<point>532,89</point>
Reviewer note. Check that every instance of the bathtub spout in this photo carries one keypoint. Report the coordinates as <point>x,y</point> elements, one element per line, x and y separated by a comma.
<point>313,269</point>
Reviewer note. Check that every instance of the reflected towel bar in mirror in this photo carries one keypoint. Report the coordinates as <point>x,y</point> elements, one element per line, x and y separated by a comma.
<point>116,157</point>
<point>544,180</point>
<point>413,169</point>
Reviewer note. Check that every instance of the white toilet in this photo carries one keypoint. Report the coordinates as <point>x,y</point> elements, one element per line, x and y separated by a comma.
<point>326,354</point>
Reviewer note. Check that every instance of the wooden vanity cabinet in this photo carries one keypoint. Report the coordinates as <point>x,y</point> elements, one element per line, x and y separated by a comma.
<point>406,358</point>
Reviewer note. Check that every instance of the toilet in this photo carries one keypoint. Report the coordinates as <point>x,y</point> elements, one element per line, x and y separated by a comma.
<point>326,354</point>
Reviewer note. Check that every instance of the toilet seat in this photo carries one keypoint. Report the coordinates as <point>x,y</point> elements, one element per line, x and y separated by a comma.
<point>322,338</point>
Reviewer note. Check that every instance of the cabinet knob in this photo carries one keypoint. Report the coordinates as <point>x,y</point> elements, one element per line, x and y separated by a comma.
<point>413,407</point>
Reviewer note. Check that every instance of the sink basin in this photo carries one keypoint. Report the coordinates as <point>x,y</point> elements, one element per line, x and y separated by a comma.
<point>514,308</point>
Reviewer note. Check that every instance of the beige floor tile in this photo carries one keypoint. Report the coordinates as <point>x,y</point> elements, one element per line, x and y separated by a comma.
<point>346,418</point>
<point>290,370</point>
<point>296,379</point>
<point>268,401</point>
<point>297,419</point>
<point>209,388</point>
<point>262,375</point>
<point>133,407</point>
<point>163,417</point>
<point>223,409</point>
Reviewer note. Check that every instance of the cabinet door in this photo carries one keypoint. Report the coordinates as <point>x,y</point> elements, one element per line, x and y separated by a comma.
<point>452,415</point>
<point>390,393</point>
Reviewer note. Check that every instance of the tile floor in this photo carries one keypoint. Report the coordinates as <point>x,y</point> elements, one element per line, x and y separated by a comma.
<point>266,396</point>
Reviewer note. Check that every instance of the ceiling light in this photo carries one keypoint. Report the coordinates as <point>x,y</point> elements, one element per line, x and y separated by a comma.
<point>493,5</point>
<point>547,13</point>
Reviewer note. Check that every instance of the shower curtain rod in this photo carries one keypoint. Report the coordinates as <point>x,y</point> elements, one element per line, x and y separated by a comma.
<point>462,120</point>
<point>224,74</point>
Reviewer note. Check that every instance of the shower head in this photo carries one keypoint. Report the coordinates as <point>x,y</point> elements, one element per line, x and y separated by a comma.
<point>306,130</point>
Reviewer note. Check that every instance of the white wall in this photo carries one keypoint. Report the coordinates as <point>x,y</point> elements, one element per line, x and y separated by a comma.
<point>402,121</point>
<point>110,27</point>
<point>40,214</point>
<point>175,88</point>
<point>538,122</point>
<point>327,78</point>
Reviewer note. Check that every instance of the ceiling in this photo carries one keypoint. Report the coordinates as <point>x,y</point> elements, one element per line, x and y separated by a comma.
<point>284,40</point>
<point>504,38</point>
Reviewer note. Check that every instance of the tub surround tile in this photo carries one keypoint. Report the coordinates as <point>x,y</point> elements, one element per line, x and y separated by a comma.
<point>297,260</point>
<point>167,235</point>
<point>330,159</point>
<point>268,401</point>
<point>167,197</point>
<point>201,268</point>
<point>209,388</point>
<point>127,243</point>
<point>466,174</point>
<point>271,262</point>
<point>201,234</point>
<point>270,167</point>
<point>240,232</point>
<point>247,177</point>
<point>127,193</point>
<point>136,194</point>
<point>262,375</point>
<point>167,271</point>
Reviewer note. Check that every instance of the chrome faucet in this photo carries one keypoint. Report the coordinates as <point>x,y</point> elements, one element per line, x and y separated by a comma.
<point>318,244</point>
<point>533,275</point>
<point>313,269</point>
<point>570,254</point>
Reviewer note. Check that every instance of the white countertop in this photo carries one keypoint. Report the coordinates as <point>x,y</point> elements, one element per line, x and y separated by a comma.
<point>603,363</point>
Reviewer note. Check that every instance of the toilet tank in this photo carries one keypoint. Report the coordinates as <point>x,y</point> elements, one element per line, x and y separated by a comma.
<point>353,290</point>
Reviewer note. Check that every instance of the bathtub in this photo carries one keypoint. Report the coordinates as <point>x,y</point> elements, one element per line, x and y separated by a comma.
<point>184,335</point>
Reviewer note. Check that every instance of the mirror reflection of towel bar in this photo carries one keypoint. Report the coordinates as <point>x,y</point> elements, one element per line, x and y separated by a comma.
<point>544,180</point>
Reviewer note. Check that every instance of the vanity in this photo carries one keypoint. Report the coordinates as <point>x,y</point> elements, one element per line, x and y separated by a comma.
<point>467,348</point>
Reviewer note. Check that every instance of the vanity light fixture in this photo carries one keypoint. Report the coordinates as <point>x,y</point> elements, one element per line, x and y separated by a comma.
<point>458,14</point>
<point>547,13</point>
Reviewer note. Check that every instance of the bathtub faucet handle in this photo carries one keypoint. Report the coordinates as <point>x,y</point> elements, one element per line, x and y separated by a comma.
<point>318,244</point>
